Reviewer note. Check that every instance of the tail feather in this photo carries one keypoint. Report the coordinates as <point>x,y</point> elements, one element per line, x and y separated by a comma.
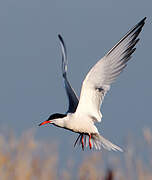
<point>99,141</point>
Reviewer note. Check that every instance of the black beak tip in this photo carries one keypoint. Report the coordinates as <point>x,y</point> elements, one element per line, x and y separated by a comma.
<point>40,124</point>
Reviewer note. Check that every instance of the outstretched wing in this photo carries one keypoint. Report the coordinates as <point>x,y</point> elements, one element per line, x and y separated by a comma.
<point>73,99</point>
<point>105,71</point>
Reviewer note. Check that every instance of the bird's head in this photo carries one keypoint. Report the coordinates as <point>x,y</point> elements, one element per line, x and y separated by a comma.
<point>53,119</point>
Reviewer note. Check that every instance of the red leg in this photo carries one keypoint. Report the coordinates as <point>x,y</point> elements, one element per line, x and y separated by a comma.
<point>90,145</point>
<point>82,143</point>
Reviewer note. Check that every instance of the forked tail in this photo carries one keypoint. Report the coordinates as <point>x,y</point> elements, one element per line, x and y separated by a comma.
<point>99,141</point>
<point>96,140</point>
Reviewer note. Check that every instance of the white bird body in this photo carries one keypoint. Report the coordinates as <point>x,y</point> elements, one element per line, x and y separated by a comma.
<point>84,112</point>
<point>76,123</point>
<point>80,123</point>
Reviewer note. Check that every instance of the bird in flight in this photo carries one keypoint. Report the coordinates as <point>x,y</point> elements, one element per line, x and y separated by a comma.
<point>84,112</point>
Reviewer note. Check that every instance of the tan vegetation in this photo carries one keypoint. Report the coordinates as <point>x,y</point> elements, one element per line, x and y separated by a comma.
<point>25,158</point>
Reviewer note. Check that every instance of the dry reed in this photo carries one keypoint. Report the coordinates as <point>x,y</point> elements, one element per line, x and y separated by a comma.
<point>25,158</point>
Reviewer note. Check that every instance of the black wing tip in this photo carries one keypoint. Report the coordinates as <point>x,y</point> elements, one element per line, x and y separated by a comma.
<point>139,26</point>
<point>63,44</point>
<point>144,18</point>
<point>142,22</point>
<point>60,37</point>
<point>135,30</point>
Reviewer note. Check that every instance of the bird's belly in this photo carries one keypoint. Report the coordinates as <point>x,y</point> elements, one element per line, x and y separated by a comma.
<point>81,126</point>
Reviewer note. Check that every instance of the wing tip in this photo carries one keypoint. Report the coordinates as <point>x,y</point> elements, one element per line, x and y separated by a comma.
<point>144,18</point>
<point>64,54</point>
<point>60,38</point>
<point>142,21</point>
<point>135,30</point>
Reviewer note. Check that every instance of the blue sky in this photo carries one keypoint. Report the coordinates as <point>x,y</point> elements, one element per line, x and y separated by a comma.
<point>30,64</point>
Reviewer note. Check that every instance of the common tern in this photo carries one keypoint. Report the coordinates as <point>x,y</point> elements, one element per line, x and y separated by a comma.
<point>83,113</point>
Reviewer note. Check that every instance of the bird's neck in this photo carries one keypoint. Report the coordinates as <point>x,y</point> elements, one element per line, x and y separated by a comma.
<point>60,122</point>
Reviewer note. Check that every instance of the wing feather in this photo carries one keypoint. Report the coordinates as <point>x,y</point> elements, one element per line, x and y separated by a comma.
<point>72,97</point>
<point>105,71</point>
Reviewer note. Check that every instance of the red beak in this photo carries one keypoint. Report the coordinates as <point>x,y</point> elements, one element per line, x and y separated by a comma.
<point>45,122</point>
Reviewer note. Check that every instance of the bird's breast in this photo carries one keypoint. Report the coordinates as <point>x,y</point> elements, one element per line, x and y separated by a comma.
<point>81,125</point>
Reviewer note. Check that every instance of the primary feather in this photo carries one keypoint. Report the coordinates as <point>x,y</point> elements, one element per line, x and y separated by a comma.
<point>72,97</point>
<point>104,72</point>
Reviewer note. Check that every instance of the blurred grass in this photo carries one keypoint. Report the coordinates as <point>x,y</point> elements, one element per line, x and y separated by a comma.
<point>25,158</point>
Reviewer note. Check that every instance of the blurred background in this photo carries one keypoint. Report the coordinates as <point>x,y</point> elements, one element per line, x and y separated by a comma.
<point>32,88</point>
